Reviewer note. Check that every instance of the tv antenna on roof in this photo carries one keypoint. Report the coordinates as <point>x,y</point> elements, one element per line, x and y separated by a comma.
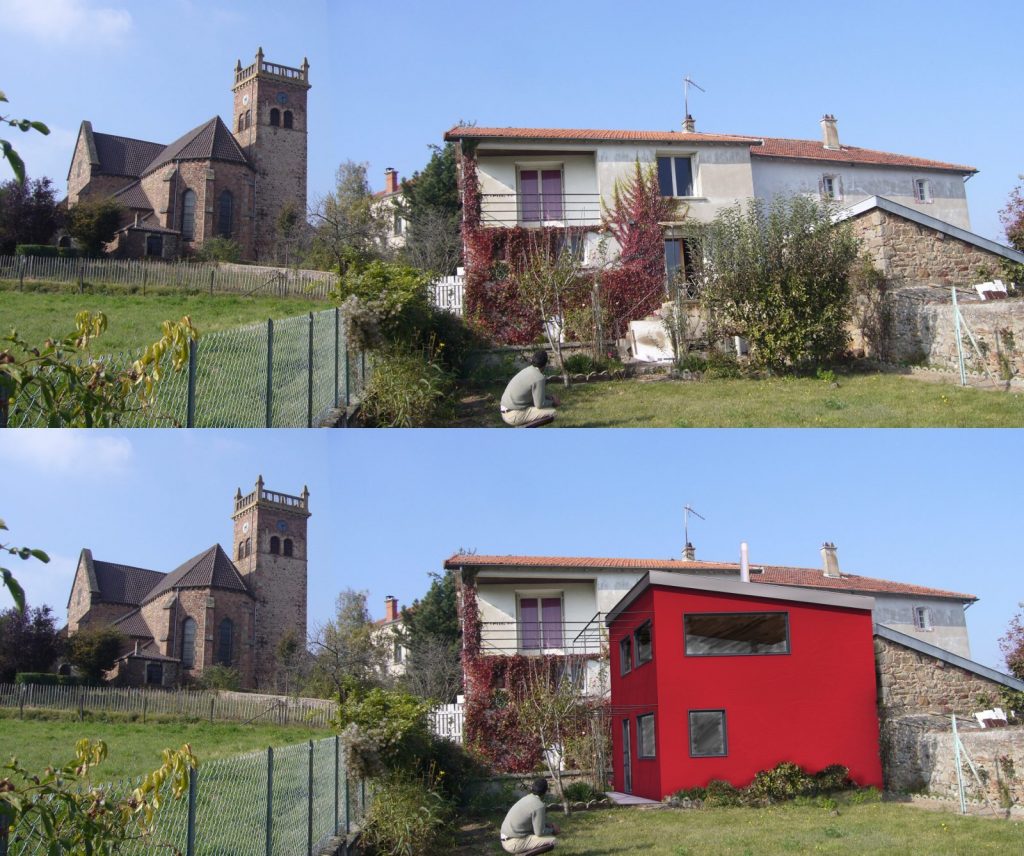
<point>687,511</point>
<point>687,83</point>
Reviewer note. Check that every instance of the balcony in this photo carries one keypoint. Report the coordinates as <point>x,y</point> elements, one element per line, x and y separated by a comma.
<point>565,638</point>
<point>535,209</point>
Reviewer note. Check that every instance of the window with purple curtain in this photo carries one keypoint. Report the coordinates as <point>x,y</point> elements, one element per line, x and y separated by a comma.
<point>540,195</point>
<point>540,623</point>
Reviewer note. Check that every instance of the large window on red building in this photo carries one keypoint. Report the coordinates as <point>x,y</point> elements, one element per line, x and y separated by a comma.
<point>645,736</point>
<point>540,623</point>
<point>707,734</point>
<point>718,634</point>
<point>643,648</point>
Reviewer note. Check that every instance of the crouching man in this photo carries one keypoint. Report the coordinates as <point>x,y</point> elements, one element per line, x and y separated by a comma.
<point>525,829</point>
<point>525,402</point>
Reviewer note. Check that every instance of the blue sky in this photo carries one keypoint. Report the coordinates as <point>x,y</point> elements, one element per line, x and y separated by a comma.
<point>938,508</point>
<point>931,79</point>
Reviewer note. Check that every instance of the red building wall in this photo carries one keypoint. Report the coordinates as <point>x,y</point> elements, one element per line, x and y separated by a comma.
<point>814,706</point>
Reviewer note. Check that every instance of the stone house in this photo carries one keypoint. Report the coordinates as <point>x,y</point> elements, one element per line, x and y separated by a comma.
<point>386,632</point>
<point>218,608</point>
<point>215,181</point>
<point>387,204</point>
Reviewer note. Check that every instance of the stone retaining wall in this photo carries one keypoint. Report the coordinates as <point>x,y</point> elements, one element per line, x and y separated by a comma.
<point>918,757</point>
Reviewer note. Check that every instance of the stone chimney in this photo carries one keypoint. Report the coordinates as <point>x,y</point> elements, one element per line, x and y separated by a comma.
<point>830,560</point>
<point>390,608</point>
<point>830,132</point>
<point>689,125</point>
<point>390,180</point>
<point>689,553</point>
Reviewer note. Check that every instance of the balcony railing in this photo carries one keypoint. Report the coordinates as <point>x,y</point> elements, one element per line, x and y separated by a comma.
<point>569,638</point>
<point>537,209</point>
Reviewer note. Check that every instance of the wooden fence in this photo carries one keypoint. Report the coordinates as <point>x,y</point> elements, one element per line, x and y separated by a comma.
<point>190,704</point>
<point>447,293</point>
<point>447,720</point>
<point>209,277</point>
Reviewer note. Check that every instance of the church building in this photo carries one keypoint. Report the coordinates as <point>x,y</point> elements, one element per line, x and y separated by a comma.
<point>216,181</point>
<point>220,608</point>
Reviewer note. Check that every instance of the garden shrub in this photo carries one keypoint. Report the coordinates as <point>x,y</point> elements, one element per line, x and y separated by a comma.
<point>408,818</point>
<point>722,793</point>
<point>581,792</point>
<point>407,390</point>
<point>784,782</point>
<point>220,678</point>
<point>47,678</point>
<point>834,777</point>
<point>36,250</point>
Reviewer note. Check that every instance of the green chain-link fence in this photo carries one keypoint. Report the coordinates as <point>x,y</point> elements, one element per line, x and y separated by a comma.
<point>281,802</point>
<point>276,374</point>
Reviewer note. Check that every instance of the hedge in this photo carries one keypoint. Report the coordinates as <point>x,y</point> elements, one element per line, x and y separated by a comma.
<point>47,678</point>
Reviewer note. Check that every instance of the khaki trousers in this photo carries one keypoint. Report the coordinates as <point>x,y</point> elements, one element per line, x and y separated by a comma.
<point>516,418</point>
<point>518,845</point>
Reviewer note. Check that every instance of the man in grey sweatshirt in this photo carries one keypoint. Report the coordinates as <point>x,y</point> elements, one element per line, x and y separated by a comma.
<point>525,402</point>
<point>525,829</point>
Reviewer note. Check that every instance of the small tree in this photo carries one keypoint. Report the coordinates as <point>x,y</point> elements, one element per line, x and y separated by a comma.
<point>29,641</point>
<point>29,213</point>
<point>93,224</point>
<point>1012,216</point>
<point>291,657</point>
<point>1011,644</point>
<point>94,651</point>
<point>219,249</point>
<point>60,810</point>
<point>432,207</point>
<point>432,635</point>
<point>346,651</point>
<point>73,389</point>
<point>347,224</point>
<point>779,275</point>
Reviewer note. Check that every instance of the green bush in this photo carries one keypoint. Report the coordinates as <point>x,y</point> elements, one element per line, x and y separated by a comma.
<point>834,777</point>
<point>219,250</point>
<point>408,818</point>
<point>785,782</point>
<point>721,793</point>
<point>581,792</point>
<point>722,364</point>
<point>36,250</point>
<point>46,678</point>
<point>693,363</point>
<point>407,390</point>
<point>220,678</point>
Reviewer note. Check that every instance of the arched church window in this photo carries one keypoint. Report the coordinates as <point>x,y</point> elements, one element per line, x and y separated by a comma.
<point>225,637</point>
<point>241,549</point>
<point>288,118</point>
<point>287,546</point>
<point>225,211</point>
<point>275,116</point>
<point>248,546</point>
<point>241,121</point>
<point>275,544</point>
<point>188,643</point>
<point>188,215</point>
<point>248,118</point>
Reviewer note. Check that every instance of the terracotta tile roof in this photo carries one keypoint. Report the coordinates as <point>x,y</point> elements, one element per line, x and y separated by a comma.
<point>775,147</point>
<point>592,135</point>
<point>210,569</point>
<point>210,141</point>
<point>133,624</point>
<point>124,583</point>
<point>124,155</point>
<point>776,574</point>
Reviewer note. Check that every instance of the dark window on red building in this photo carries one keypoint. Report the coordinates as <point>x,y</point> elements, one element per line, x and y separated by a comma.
<point>625,655</point>
<point>645,736</point>
<point>643,647</point>
<point>707,734</point>
<point>736,633</point>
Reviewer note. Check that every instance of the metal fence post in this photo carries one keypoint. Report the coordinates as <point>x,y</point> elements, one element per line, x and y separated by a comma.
<point>193,784</point>
<point>348,812</point>
<point>348,374</point>
<point>309,375</point>
<point>190,413</point>
<point>270,373</point>
<point>362,370</point>
<point>270,800</point>
<point>337,749</point>
<point>309,799</point>
<point>337,340</point>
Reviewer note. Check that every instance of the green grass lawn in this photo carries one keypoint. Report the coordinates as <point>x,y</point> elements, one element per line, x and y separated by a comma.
<point>134,747</point>
<point>872,828</point>
<point>133,319</point>
<point>863,400</point>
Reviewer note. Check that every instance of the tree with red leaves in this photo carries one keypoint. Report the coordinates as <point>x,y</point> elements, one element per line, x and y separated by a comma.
<point>634,284</point>
<point>1012,645</point>
<point>1012,217</point>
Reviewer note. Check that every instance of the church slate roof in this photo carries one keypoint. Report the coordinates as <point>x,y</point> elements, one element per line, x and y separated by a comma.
<point>210,141</point>
<point>210,569</point>
<point>124,155</point>
<point>134,624</point>
<point>123,583</point>
<point>133,196</point>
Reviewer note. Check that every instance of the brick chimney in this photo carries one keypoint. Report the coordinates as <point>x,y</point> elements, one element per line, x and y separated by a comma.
<point>390,180</point>
<point>689,553</point>
<point>689,124</point>
<point>830,132</point>
<point>830,560</point>
<point>390,608</point>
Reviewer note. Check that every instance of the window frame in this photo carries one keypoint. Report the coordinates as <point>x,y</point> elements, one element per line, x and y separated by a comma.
<point>288,120</point>
<point>637,662</point>
<point>540,597</point>
<point>836,194</point>
<point>190,661</point>
<point>225,225</point>
<point>152,666</point>
<point>188,214</point>
<point>626,654</point>
<point>925,197</point>
<point>539,204</point>
<point>672,158</point>
<point>923,619</point>
<point>221,625</point>
<point>786,653</point>
<point>725,732</point>
<point>641,747</point>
